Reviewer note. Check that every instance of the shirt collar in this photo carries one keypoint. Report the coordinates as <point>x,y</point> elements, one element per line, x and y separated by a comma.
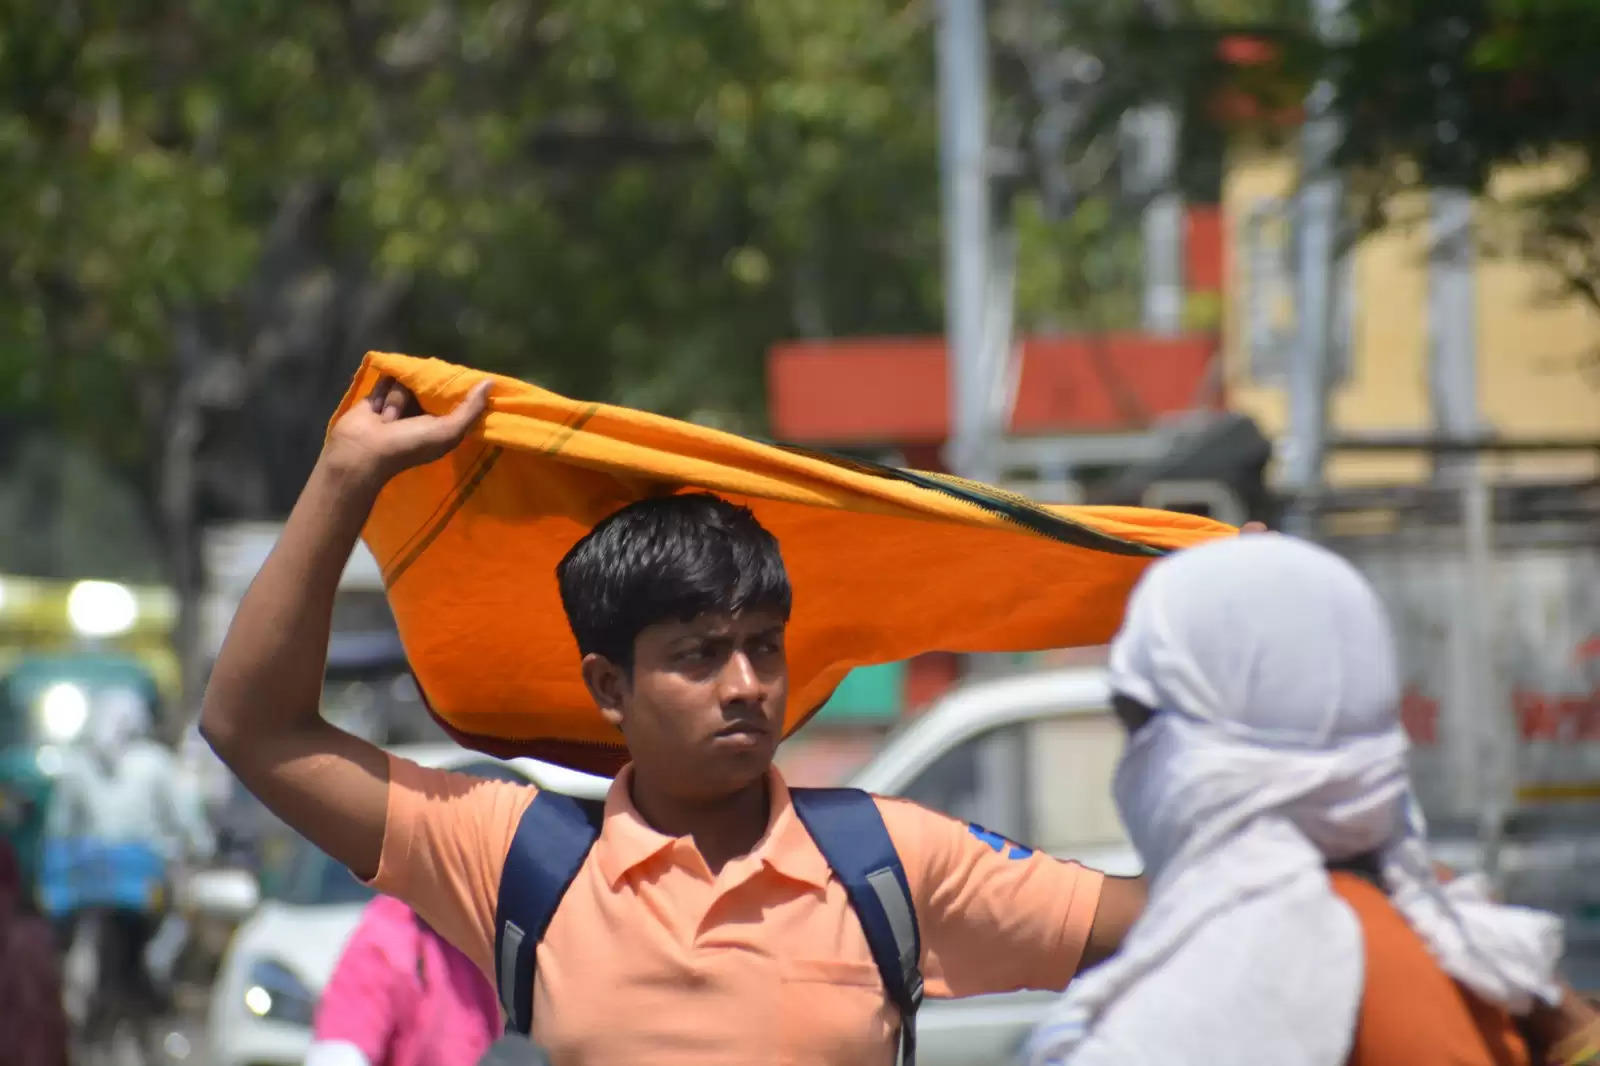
<point>627,840</point>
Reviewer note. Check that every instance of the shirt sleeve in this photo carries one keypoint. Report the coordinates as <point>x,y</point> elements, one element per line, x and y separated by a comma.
<point>445,840</point>
<point>994,916</point>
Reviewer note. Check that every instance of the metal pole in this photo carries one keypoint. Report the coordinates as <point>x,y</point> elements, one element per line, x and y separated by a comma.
<point>1494,739</point>
<point>1453,389</point>
<point>1452,329</point>
<point>1162,220</point>
<point>1318,210</point>
<point>963,163</point>
<point>1002,360</point>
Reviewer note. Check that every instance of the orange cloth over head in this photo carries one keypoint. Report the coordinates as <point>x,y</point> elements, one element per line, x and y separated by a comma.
<point>885,563</point>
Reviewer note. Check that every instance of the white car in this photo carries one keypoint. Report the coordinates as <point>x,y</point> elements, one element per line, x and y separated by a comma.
<point>1030,757</point>
<point>282,956</point>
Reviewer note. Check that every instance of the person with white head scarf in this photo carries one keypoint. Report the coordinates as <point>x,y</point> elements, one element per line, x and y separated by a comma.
<point>1258,679</point>
<point>118,718</point>
<point>126,786</point>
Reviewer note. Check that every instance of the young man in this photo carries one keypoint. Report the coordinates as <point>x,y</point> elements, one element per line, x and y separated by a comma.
<point>705,925</point>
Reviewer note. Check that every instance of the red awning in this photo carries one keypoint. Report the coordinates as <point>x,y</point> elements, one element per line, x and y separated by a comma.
<point>893,390</point>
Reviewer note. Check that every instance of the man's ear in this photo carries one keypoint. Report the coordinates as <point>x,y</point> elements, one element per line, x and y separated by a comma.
<point>608,686</point>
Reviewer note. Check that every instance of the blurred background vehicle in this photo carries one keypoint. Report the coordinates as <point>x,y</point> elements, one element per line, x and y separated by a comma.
<point>266,990</point>
<point>1029,757</point>
<point>45,704</point>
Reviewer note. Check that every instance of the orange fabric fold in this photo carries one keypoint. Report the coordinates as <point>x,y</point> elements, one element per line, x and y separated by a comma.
<point>885,563</point>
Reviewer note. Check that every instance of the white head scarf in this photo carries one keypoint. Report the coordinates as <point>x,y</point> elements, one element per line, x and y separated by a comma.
<point>1275,748</point>
<point>118,717</point>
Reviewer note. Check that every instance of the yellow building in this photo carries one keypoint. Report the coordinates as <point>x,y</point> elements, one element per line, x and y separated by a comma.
<point>1538,366</point>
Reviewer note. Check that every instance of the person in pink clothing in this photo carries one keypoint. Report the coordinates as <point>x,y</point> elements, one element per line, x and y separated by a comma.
<point>402,996</point>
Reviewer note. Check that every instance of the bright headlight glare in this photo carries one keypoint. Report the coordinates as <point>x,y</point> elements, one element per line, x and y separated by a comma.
<point>273,992</point>
<point>101,608</point>
<point>63,710</point>
<point>258,1001</point>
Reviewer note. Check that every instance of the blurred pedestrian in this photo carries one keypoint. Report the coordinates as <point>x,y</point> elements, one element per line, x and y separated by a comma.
<point>1258,681</point>
<point>122,793</point>
<point>120,784</point>
<point>402,996</point>
<point>33,1023</point>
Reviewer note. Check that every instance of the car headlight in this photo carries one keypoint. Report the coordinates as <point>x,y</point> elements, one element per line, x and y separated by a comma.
<point>272,991</point>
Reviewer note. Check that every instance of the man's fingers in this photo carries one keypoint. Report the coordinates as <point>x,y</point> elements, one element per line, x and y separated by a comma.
<point>469,410</point>
<point>397,403</point>
<point>1253,527</point>
<point>447,430</point>
<point>380,393</point>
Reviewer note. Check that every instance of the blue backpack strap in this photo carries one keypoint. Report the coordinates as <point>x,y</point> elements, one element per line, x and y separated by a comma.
<point>849,831</point>
<point>552,840</point>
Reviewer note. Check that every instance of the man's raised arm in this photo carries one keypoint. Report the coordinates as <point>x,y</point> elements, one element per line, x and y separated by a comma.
<point>261,712</point>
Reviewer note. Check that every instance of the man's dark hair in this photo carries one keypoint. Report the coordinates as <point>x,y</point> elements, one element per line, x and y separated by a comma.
<point>663,559</point>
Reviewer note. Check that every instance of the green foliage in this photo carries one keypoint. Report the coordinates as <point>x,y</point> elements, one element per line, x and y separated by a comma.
<point>1432,94</point>
<point>214,207</point>
<point>622,200</point>
<point>1080,273</point>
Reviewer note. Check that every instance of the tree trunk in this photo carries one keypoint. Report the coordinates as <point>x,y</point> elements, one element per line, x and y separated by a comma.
<point>179,427</point>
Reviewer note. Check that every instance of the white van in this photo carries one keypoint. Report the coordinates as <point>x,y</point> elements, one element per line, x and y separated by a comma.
<point>1030,757</point>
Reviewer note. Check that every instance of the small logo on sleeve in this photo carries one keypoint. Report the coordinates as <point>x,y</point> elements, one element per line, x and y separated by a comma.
<point>1009,848</point>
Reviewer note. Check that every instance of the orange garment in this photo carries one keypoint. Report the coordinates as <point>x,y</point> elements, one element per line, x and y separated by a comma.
<point>885,564</point>
<point>651,958</point>
<point>1412,1013</point>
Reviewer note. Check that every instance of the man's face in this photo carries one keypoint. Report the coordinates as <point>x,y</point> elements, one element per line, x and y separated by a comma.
<point>702,709</point>
<point>1130,712</point>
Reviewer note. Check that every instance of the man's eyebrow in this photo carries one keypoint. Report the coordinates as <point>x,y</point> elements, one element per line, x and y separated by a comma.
<point>701,636</point>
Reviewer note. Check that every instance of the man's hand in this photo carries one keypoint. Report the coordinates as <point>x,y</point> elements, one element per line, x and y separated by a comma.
<point>261,705</point>
<point>388,431</point>
<point>1253,527</point>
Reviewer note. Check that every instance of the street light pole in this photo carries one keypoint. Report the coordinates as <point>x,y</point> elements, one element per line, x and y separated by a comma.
<point>964,173</point>
<point>1318,209</point>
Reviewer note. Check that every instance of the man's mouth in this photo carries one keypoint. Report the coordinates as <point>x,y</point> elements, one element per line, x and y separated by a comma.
<point>743,729</point>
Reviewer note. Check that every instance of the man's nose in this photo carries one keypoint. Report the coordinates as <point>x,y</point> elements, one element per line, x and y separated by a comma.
<point>738,680</point>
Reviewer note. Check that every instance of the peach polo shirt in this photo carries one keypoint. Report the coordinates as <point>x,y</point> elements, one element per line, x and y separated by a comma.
<point>652,959</point>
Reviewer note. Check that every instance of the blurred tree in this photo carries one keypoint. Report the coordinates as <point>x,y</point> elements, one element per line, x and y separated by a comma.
<point>1434,94</point>
<point>214,208</point>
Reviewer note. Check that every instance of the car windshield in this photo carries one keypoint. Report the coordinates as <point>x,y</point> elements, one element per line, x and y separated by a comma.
<point>315,880</point>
